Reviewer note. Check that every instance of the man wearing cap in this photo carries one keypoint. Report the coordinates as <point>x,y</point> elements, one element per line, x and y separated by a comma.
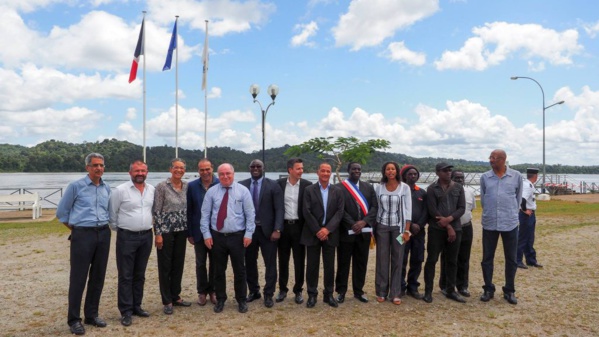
<point>446,204</point>
<point>500,198</point>
<point>528,221</point>
<point>415,246</point>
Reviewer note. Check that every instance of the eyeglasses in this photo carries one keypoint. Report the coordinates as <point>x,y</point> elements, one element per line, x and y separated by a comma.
<point>255,166</point>
<point>96,165</point>
<point>178,167</point>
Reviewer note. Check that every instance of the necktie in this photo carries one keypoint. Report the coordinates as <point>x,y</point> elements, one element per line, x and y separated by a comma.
<point>256,196</point>
<point>222,211</point>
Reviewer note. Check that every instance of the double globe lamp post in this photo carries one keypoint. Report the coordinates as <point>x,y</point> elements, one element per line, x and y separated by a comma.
<point>273,91</point>
<point>544,108</point>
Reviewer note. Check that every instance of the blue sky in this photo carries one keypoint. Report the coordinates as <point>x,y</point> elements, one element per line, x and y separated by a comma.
<point>432,77</point>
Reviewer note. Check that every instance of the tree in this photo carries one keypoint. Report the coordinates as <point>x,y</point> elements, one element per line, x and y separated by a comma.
<point>340,151</point>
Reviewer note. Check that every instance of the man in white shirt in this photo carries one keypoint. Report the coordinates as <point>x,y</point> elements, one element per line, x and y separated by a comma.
<point>131,217</point>
<point>528,221</point>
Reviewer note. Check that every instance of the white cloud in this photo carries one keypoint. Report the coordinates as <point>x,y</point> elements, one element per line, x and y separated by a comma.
<point>368,22</point>
<point>131,113</point>
<point>532,41</point>
<point>397,51</point>
<point>591,29</point>
<point>215,92</point>
<point>306,31</point>
<point>225,16</point>
<point>29,5</point>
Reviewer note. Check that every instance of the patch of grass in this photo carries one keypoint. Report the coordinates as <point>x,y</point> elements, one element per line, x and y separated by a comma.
<point>25,230</point>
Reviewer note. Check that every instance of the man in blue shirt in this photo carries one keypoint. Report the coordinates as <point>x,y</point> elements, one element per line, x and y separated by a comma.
<point>500,197</point>
<point>84,209</point>
<point>227,225</point>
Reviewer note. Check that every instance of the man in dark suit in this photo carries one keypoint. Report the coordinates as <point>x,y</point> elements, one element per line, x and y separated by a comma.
<point>293,193</point>
<point>361,206</point>
<point>196,190</point>
<point>323,210</point>
<point>268,202</point>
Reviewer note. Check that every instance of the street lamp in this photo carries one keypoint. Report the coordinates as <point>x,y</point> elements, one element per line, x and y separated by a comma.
<point>273,91</point>
<point>544,108</point>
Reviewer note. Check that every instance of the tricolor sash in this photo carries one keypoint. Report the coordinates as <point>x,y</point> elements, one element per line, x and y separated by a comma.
<point>357,195</point>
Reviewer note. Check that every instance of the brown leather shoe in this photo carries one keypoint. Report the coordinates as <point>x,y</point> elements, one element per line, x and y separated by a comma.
<point>202,299</point>
<point>213,298</point>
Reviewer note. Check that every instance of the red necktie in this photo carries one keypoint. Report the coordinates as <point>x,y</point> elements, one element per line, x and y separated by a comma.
<point>222,211</point>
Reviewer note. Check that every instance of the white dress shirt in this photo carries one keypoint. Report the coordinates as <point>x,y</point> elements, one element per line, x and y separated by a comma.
<point>130,208</point>
<point>291,200</point>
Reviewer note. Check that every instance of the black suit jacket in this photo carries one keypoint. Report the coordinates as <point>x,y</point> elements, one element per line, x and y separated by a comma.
<point>314,215</point>
<point>300,202</point>
<point>195,198</point>
<point>272,207</point>
<point>351,213</point>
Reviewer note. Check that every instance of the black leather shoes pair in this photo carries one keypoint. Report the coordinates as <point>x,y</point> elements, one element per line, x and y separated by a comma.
<point>340,298</point>
<point>77,328</point>
<point>311,301</point>
<point>456,297</point>
<point>253,296</point>
<point>522,265</point>
<point>126,320</point>
<point>96,321</point>
<point>330,299</point>
<point>536,265</point>
<point>242,307</point>
<point>219,306</point>
<point>362,298</point>
<point>428,297</point>
<point>140,312</point>
<point>464,292</point>
<point>511,298</point>
<point>181,303</point>
<point>487,296</point>
<point>415,294</point>
<point>268,302</point>
<point>281,296</point>
<point>299,299</point>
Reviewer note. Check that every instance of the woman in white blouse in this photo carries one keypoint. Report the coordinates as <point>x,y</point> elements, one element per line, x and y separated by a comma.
<point>391,231</point>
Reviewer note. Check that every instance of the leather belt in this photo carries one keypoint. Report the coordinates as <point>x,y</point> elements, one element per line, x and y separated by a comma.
<point>291,222</point>
<point>143,232</point>
<point>94,228</point>
<point>227,234</point>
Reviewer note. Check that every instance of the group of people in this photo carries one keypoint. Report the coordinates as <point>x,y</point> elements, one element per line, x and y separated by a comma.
<point>290,217</point>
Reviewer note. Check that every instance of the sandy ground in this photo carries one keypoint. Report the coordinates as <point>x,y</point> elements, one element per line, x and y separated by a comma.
<point>559,300</point>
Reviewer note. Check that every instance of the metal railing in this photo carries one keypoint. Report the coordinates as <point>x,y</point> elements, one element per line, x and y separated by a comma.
<point>50,196</point>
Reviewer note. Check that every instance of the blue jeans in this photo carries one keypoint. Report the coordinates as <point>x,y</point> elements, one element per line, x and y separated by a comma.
<point>510,248</point>
<point>526,238</point>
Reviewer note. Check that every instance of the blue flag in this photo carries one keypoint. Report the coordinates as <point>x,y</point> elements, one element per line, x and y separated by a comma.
<point>172,46</point>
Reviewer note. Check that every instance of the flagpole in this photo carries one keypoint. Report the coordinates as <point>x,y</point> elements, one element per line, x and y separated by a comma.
<point>205,87</point>
<point>176,94</point>
<point>144,85</point>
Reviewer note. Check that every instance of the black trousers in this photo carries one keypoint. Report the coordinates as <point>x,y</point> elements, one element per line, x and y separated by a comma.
<point>133,250</point>
<point>356,254</point>
<point>414,255</point>
<point>223,247</point>
<point>463,261</point>
<point>171,260</point>
<point>269,254</point>
<point>290,241</point>
<point>204,276</point>
<point>313,268</point>
<point>89,257</point>
<point>437,243</point>
<point>510,250</point>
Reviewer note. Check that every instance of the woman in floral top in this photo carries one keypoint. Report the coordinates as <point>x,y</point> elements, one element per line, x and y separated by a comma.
<point>170,228</point>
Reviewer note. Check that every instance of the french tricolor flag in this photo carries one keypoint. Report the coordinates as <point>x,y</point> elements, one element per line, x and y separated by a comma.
<point>139,50</point>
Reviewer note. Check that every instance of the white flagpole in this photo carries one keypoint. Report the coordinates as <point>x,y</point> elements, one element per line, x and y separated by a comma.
<point>177,92</point>
<point>143,44</point>
<point>205,87</point>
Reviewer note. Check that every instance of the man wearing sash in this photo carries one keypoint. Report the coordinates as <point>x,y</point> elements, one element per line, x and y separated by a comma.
<point>355,233</point>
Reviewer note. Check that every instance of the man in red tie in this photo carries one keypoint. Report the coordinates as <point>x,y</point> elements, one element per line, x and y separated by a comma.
<point>227,224</point>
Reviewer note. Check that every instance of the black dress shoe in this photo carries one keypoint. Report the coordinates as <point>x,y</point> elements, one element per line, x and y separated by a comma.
<point>242,307</point>
<point>77,328</point>
<point>444,292</point>
<point>168,309</point>
<point>268,302</point>
<point>341,298</point>
<point>456,297</point>
<point>281,296</point>
<point>219,306</point>
<point>96,321</point>
<point>402,293</point>
<point>299,299</point>
<point>140,312</point>
<point>253,296</point>
<point>511,298</point>
<point>487,296</point>
<point>428,297</point>
<point>536,265</point>
<point>181,303</point>
<point>126,320</point>
<point>415,294</point>
<point>464,292</point>
<point>522,265</point>
<point>362,298</point>
<point>311,301</point>
<point>330,299</point>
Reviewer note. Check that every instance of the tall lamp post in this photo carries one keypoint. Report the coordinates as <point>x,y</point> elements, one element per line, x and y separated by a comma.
<point>273,91</point>
<point>544,108</point>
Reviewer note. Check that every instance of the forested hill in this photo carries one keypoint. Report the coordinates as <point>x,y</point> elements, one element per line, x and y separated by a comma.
<point>57,156</point>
